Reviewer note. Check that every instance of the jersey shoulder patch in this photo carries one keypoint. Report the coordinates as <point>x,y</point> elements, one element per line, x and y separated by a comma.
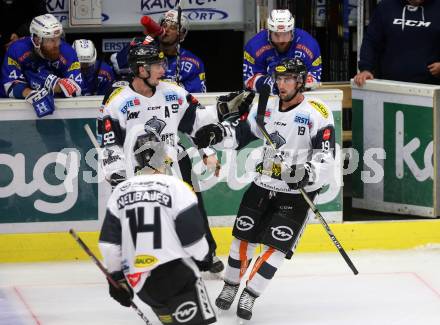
<point>113,94</point>
<point>320,107</point>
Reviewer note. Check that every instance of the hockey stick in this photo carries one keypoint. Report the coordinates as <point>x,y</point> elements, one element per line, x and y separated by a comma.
<point>261,109</point>
<point>87,250</point>
<point>92,138</point>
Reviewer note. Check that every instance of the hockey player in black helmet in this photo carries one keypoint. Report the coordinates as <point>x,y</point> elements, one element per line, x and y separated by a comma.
<point>291,68</point>
<point>146,61</point>
<point>153,238</point>
<point>272,212</point>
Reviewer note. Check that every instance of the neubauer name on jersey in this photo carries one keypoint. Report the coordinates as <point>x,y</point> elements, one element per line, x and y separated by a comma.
<point>144,196</point>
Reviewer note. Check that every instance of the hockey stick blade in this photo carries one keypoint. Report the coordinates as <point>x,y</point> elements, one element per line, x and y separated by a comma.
<point>261,110</point>
<point>87,250</point>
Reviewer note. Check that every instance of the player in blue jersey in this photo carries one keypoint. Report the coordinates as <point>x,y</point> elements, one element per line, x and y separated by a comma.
<point>191,74</point>
<point>42,66</point>
<point>97,75</point>
<point>280,40</point>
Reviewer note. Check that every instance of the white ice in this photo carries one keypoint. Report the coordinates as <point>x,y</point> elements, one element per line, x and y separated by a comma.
<point>393,288</point>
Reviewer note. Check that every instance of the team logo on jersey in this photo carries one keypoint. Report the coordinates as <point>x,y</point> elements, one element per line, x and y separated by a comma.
<point>282,233</point>
<point>277,139</point>
<point>154,124</point>
<point>109,157</point>
<point>319,107</point>
<point>185,312</point>
<point>244,223</point>
<point>145,260</point>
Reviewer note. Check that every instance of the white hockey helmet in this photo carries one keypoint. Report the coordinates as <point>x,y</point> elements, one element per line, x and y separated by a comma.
<point>45,26</point>
<point>172,16</point>
<point>281,21</point>
<point>85,50</point>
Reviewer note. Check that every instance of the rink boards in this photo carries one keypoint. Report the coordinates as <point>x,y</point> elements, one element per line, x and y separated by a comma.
<point>388,235</point>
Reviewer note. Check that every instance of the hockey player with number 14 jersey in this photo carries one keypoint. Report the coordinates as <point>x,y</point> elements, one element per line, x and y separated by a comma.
<point>151,233</point>
<point>272,211</point>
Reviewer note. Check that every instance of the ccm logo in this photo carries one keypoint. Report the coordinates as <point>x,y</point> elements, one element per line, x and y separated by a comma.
<point>414,23</point>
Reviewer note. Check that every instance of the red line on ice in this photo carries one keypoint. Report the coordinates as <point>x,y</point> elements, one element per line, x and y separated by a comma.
<point>20,296</point>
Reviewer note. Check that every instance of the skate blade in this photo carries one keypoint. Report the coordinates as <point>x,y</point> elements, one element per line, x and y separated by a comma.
<point>242,321</point>
<point>212,276</point>
<point>221,312</point>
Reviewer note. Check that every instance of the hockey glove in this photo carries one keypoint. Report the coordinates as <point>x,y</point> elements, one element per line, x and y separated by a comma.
<point>117,178</point>
<point>35,79</point>
<point>234,104</point>
<point>299,176</point>
<point>205,264</point>
<point>42,102</point>
<point>311,82</point>
<point>124,294</point>
<point>69,87</point>
<point>209,135</point>
<point>262,81</point>
<point>50,83</point>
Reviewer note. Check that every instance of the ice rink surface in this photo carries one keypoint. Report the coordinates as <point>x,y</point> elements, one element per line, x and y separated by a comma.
<point>393,288</point>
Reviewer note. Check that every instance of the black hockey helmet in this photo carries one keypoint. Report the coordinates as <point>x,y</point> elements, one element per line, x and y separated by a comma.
<point>144,51</point>
<point>291,66</point>
<point>150,151</point>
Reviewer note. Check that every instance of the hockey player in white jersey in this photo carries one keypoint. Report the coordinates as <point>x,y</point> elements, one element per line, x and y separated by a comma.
<point>273,212</point>
<point>153,236</point>
<point>149,103</point>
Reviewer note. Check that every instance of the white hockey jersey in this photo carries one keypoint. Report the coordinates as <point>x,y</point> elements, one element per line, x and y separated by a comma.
<point>304,133</point>
<point>151,220</point>
<point>127,114</point>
